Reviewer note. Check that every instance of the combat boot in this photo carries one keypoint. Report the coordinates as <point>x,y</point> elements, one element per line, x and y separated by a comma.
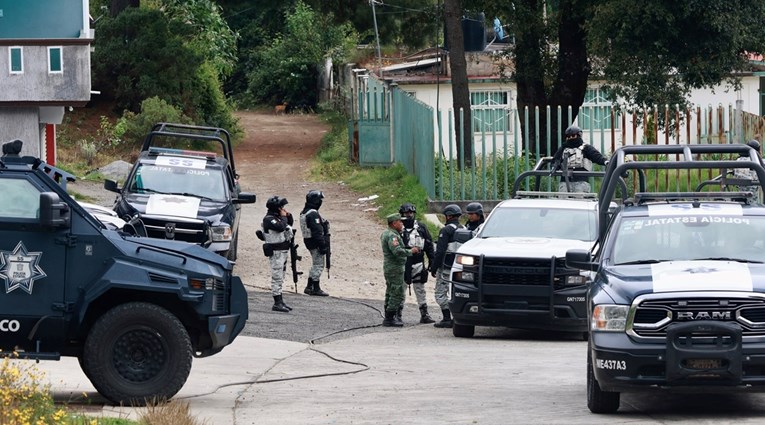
<point>317,289</point>
<point>279,305</point>
<point>446,322</point>
<point>309,287</point>
<point>390,320</point>
<point>424,316</point>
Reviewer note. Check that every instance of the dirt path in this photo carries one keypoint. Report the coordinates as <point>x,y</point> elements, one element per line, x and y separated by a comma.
<point>274,159</point>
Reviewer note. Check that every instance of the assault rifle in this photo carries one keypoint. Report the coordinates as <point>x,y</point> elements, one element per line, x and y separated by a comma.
<point>328,244</point>
<point>294,258</point>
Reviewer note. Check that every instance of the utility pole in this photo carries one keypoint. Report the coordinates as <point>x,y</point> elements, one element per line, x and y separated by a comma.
<point>377,39</point>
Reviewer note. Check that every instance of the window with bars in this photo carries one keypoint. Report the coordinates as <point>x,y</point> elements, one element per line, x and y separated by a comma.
<point>490,110</point>
<point>16,60</point>
<point>55,64</point>
<point>595,113</point>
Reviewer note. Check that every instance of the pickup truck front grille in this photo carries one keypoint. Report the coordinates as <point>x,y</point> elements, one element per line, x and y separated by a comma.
<point>192,231</point>
<point>519,271</point>
<point>652,316</point>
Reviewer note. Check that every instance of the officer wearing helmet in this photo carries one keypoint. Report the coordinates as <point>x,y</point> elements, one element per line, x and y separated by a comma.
<point>417,235</point>
<point>277,233</point>
<point>747,173</point>
<point>395,255</point>
<point>315,231</point>
<point>474,212</point>
<point>575,155</point>
<point>441,265</point>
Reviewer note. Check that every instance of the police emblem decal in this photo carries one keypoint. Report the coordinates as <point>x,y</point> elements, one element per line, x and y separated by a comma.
<point>20,269</point>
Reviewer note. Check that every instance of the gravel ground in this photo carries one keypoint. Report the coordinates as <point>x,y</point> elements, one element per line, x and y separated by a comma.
<point>274,159</point>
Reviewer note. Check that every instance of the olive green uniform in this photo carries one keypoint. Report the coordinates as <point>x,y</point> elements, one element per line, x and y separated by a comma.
<point>394,260</point>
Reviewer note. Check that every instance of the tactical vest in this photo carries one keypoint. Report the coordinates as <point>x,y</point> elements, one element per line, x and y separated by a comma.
<point>305,230</point>
<point>413,238</point>
<point>744,173</point>
<point>273,237</point>
<point>453,245</point>
<point>575,158</point>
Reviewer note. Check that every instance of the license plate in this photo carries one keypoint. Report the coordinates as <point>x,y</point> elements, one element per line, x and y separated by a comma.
<point>704,364</point>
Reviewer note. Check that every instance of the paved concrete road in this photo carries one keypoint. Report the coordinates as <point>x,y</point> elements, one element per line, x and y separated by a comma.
<point>415,375</point>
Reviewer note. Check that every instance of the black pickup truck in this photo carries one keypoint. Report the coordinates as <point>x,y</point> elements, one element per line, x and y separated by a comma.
<point>678,298</point>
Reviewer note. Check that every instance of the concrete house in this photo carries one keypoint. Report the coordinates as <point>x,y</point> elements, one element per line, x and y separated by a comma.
<point>44,69</point>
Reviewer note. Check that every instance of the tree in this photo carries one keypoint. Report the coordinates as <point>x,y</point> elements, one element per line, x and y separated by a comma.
<point>460,90</point>
<point>117,6</point>
<point>648,52</point>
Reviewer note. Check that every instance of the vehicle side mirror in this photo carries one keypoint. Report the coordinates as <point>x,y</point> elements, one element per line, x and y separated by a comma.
<point>53,212</point>
<point>245,198</point>
<point>580,259</point>
<point>111,186</point>
<point>462,235</point>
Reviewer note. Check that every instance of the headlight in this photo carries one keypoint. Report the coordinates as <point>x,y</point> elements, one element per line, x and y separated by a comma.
<point>221,233</point>
<point>465,260</point>
<point>576,280</point>
<point>609,318</point>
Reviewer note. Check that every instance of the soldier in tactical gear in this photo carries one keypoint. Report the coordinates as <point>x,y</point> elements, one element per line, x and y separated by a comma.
<point>474,212</point>
<point>575,155</point>
<point>417,235</point>
<point>277,232</point>
<point>395,255</point>
<point>315,230</point>
<point>441,265</point>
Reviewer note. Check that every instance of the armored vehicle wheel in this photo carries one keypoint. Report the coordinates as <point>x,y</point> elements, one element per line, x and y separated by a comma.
<point>599,401</point>
<point>137,353</point>
<point>463,331</point>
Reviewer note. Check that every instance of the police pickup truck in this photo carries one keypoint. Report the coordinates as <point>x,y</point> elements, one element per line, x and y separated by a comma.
<point>513,272</point>
<point>183,193</point>
<point>678,299</point>
<point>133,310</point>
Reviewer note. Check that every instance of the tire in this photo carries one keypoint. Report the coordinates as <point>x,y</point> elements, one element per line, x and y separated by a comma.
<point>137,353</point>
<point>463,331</point>
<point>599,401</point>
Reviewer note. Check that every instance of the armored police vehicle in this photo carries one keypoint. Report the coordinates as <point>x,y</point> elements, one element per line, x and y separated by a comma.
<point>133,310</point>
<point>186,194</point>
<point>513,272</point>
<point>678,299</point>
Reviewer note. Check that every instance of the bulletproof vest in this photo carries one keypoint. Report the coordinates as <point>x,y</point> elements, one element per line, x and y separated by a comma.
<point>304,229</point>
<point>575,158</point>
<point>453,245</point>
<point>413,238</point>
<point>744,173</point>
<point>274,237</point>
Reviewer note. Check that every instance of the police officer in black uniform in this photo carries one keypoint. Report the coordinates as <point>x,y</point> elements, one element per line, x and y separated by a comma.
<point>576,155</point>
<point>474,212</point>
<point>315,230</point>
<point>443,259</point>
<point>277,232</point>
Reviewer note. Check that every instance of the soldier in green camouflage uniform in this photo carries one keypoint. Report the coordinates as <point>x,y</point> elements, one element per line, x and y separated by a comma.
<point>394,260</point>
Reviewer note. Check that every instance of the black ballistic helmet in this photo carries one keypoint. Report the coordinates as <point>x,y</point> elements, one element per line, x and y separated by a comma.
<point>573,131</point>
<point>314,197</point>
<point>474,207</point>
<point>407,208</point>
<point>275,202</point>
<point>452,209</point>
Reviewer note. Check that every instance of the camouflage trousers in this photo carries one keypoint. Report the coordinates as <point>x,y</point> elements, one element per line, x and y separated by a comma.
<point>442,288</point>
<point>278,263</point>
<point>419,293</point>
<point>582,187</point>
<point>317,264</point>
<point>394,289</point>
